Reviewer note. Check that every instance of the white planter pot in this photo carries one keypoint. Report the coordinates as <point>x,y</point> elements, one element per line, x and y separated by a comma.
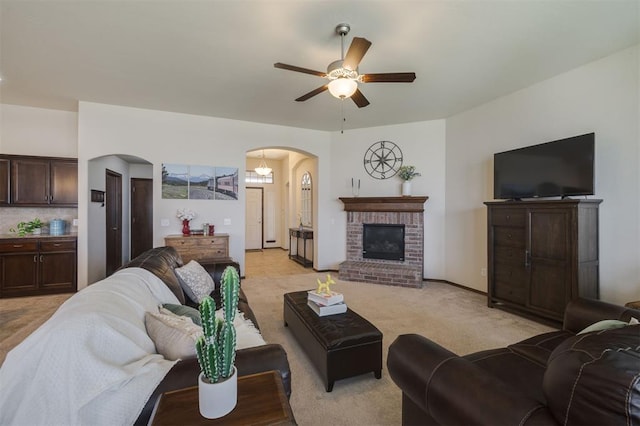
<point>217,399</point>
<point>406,188</point>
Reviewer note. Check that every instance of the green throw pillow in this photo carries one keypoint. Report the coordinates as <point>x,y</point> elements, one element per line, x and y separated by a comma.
<point>184,311</point>
<point>604,325</point>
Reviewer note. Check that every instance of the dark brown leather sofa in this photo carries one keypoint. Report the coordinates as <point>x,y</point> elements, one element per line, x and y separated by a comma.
<point>162,261</point>
<point>551,379</point>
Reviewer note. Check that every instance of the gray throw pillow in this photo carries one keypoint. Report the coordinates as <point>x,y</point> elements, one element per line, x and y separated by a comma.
<point>195,281</point>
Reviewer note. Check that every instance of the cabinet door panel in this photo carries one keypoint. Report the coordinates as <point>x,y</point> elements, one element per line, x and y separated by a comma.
<point>18,274</point>
<point>550,235</point>
<point>30,181</point>
<point>58,271</point>
<point>549,286</point>
<point>64,182</point>
<point>4,181</point>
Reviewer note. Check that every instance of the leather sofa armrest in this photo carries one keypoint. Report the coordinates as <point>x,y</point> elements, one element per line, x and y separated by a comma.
<point>185,373</point>
<point>453,390</point>
<point>581,313</point>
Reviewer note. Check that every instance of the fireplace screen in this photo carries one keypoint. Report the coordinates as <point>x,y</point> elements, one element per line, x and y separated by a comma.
<point>381,241</point>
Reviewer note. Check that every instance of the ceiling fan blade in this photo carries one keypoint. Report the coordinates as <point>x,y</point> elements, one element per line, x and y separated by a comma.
<point>312,93</point>
<point>358,48</point>
<point>390,77</point>
<point>299,69</point>
<point>359,99</point>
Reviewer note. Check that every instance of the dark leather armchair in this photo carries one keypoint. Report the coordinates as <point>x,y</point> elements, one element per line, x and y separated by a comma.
<point>550,379</point>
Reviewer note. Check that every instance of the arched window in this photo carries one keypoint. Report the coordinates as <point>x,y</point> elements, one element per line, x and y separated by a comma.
<point>305,200</point>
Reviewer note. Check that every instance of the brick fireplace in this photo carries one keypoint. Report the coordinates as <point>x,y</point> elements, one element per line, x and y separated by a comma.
<point>407,211</point>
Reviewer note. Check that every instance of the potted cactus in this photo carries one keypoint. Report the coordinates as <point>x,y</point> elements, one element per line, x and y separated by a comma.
<point>216,350</point>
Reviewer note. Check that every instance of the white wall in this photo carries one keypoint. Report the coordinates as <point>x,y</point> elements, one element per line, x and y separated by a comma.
<point>163,137</point>
<point>96,255</point>
<point>140,171</point>
<point>38,131</point>
<point>600,97</point>
<point>422,145</point>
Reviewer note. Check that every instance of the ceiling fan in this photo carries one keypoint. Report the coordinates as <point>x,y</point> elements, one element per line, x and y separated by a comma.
<point>343,74</point>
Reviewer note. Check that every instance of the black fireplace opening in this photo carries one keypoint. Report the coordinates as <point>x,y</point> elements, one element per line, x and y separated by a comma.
<point>383,241</point>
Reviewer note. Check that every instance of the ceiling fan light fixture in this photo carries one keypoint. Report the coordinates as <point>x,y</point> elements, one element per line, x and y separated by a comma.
<point>343,87</point>
<point>263,169</point>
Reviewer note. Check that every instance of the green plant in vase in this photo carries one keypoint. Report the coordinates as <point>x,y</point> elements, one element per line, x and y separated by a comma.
<point>24,228</point>
<point>216,348</point>
<point>407,173</point>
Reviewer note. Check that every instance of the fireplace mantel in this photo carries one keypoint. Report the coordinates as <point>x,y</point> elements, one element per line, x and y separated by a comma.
<point>384,204</point>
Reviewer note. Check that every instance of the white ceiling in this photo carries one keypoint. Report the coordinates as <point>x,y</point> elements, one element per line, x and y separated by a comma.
<point>216,58</point>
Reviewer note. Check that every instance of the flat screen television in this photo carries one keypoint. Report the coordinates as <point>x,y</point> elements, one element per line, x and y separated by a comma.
<point>559,168</point>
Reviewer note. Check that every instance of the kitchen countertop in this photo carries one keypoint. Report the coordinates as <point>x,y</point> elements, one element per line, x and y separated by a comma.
<point>14,236</point>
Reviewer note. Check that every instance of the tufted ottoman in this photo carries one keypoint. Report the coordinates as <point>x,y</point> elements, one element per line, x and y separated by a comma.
<point>339,346</point>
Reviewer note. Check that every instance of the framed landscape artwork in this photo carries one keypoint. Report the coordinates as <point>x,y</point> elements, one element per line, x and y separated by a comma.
<point>189,182</point>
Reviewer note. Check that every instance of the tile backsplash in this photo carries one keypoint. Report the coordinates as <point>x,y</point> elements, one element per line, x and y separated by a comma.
<point>11,216</point>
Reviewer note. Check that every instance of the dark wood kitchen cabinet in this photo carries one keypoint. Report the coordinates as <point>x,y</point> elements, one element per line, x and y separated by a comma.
<point>4,181</point>
<point>542,254</point>
<point>40,181</point>
<point>34,266</point>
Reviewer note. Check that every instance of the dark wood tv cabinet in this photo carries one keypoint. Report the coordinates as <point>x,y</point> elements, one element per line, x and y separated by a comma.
<point>542,254</point>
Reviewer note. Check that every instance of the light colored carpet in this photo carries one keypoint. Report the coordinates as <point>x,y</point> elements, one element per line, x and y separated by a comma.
<point>455,318</point>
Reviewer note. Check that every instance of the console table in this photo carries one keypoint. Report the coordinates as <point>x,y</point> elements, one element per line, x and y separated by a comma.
<point>199,247</point>
<point>300,235</point>
<point>261,400</point>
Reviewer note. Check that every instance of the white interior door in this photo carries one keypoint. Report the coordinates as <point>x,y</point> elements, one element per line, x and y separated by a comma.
<point>254,219</point>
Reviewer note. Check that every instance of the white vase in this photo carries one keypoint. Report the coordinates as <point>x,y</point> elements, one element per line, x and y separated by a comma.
<point>216,400</point>
<point>406,188</point>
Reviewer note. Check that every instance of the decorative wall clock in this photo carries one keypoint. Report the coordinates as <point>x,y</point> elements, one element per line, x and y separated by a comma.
<point>383,159</point>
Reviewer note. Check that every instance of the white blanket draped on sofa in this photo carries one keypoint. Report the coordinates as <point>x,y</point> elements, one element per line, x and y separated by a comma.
<point>92,362</point>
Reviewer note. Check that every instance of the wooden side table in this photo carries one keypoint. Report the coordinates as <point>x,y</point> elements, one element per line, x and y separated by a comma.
<point>261,401</point>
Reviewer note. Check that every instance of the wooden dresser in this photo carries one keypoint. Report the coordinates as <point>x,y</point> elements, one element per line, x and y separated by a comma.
<point>542,254</point>
<point>199,247</point>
